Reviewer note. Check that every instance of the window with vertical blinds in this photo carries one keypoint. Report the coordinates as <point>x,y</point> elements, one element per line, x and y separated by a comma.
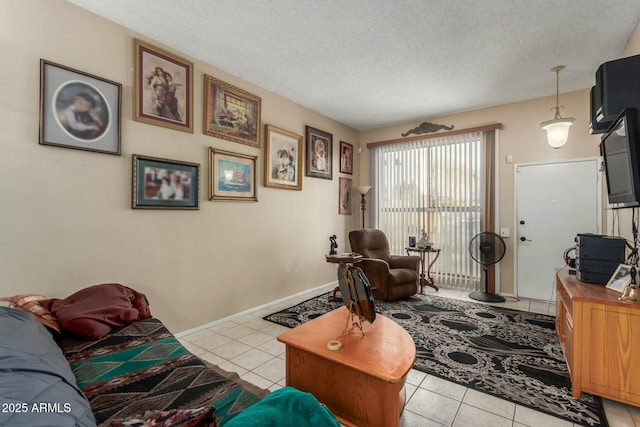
<point>435,185</point>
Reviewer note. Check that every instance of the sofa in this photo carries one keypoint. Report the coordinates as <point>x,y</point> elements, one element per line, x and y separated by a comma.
<point>78,362</point>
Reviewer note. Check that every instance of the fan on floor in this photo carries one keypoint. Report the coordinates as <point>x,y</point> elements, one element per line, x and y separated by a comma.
<point>486,248</point>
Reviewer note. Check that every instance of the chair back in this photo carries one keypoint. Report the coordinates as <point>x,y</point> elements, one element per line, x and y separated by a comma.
<point>370,243</point>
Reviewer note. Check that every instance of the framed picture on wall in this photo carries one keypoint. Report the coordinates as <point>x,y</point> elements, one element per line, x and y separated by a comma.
<point>282,159</point>
<point>620,278</point>
<point>232,176</point>
<point>162,88</point>
<point>165,184</point>
<point>79,110</point>
<point>344,196</point>
<point>346,158</point>
<point>231,113</point>
<point>319,153</point>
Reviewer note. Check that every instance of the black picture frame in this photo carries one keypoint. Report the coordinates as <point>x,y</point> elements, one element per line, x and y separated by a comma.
<point>319,148</point>
<point>165,184</point>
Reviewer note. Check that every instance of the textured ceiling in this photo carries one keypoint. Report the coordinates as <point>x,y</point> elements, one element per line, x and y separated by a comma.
<point>373,63</point>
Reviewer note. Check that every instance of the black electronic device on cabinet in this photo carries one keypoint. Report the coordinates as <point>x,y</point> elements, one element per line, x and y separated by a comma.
<point>598,256</point>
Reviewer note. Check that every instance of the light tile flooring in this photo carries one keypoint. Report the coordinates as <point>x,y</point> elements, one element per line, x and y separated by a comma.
<point>246,344</point>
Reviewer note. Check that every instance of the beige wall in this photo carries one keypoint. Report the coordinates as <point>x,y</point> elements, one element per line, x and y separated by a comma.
<point>66,214</point>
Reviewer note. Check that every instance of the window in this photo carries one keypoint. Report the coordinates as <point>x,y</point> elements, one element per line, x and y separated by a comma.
<point>435,185</point>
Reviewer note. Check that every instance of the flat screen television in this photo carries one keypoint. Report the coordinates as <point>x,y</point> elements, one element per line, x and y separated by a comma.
<point>620,147</point>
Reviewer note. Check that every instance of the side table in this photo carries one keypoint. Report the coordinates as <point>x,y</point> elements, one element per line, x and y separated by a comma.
<point>347,258</point>
<point>425,273</point>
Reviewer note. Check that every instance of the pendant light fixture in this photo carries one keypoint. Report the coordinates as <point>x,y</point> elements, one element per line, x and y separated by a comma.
<point>558,127</point>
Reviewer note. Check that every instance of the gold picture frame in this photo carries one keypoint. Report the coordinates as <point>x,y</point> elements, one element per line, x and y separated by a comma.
<point>162,88</point>
<point>231,113</point>
<point>232,176</point>
<point>282,159</point>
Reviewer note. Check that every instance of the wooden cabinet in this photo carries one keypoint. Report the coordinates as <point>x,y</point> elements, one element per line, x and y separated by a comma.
<point>600,338</point>
<point>363,382</point>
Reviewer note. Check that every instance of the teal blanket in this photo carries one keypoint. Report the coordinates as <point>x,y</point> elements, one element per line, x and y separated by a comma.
<point>285,407</point>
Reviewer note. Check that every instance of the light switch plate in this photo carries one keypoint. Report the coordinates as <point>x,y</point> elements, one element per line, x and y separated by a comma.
<point>505,232</point>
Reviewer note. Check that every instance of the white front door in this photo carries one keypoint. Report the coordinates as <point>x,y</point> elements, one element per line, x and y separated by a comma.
<point>554,202</point>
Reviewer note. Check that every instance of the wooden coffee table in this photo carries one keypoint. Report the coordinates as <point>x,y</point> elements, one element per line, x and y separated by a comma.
<point>363,382</point>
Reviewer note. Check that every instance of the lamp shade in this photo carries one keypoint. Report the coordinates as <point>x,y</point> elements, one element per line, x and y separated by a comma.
<point>363,189</point>
<point>557,131</point>
<point>558,127</point>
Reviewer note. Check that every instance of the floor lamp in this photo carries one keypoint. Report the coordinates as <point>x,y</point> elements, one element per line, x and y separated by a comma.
<point>363,190</point>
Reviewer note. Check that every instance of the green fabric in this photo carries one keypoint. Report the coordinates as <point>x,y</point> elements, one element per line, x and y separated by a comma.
<point>124,362</point>
<point>285,407</point>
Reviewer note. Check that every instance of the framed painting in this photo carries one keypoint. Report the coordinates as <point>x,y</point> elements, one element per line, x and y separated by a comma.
<point>162,88</point>
<point>282,159</point>
<point>165,184</point>
<point>620,278</point>
<point>344,196</point>
<point>79,110</point>
<point>231,113</point>
<point>232,176</point>
<point>319,153</point>
<point>346,158</point>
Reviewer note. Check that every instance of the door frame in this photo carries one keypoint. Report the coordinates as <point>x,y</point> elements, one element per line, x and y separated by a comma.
<point>599,181</point>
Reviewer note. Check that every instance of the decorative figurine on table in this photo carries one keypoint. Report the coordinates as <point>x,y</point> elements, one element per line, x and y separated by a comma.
<point>334,245</point>
<point>424,243</point>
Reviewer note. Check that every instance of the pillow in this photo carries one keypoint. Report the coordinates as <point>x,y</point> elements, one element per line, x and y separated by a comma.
<point>37,387</point>
<point>92,312</point>
<point>31,304</point>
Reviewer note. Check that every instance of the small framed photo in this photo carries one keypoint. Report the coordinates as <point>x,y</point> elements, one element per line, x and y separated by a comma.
<point>79,110</point>
<point>231,113</point>
<point>162,88</point>
<point>346,158</point>
<point>620,278</point>
<point>319,153</point>
<point>344,196</point>
<point>165,184</point>
<point>232,176</point>
<point>282,159</point>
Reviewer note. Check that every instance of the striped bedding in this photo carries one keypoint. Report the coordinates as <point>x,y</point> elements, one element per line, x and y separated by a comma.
<point>143,367</point>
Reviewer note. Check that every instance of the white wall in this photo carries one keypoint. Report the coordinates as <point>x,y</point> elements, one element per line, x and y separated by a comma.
<point>66,217</point>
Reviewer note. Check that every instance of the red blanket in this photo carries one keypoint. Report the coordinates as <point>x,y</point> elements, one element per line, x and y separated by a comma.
<point>92,312</point>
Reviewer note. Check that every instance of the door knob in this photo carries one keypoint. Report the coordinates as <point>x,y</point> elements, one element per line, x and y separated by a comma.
<point>524,239</point>
<point>521,222</point>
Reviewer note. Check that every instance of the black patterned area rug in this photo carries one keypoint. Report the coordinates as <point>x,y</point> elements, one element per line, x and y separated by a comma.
<point>510,354</point>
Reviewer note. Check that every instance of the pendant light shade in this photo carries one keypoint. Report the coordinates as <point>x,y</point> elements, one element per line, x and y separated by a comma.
<point>558,127</point>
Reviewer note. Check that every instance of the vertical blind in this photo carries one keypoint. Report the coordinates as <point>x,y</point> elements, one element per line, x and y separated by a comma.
<point>433,185</point>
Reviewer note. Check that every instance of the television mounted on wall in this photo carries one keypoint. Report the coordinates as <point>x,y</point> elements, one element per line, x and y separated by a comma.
<point>620,147</point>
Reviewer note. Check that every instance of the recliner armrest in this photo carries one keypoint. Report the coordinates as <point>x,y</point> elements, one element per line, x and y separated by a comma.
<point>373,263</point>
<point>411,262</point>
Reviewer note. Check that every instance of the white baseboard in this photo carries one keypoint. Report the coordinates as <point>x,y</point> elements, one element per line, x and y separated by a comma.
<point>314,291</point>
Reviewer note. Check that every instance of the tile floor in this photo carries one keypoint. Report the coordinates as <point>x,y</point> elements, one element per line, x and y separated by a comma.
<point>246,344</point>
